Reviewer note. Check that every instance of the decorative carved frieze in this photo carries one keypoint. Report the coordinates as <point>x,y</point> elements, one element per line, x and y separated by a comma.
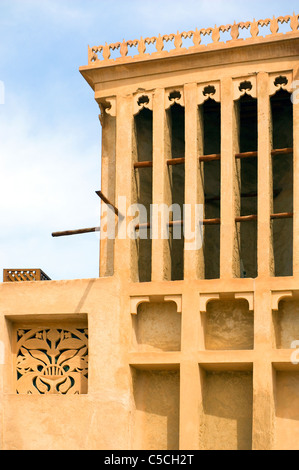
<point>99,55</point>
<point>51,361</point>
<point>208,90</point>
<point>277,296</point>
<point>174,95</point>
<point>107,106</point>
<point>206,298</point>
<point>142,100</point>
<point>138,300</point>
<point>281,81</point>
<point>245,86</point>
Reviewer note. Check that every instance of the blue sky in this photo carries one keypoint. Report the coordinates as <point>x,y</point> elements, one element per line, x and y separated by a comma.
<point>50,136</point>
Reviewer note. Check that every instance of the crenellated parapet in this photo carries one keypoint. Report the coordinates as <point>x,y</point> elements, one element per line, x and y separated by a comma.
<point>139,49</point>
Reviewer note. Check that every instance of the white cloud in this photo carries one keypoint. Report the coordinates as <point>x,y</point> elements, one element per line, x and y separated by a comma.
<point>48,176</point>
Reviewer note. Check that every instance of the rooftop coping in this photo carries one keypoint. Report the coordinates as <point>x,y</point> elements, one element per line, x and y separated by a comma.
<point>154,47</point>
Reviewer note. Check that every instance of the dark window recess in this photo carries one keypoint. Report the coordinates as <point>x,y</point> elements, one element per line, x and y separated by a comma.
<point>210,117</point>
<point>248,142</point>
<point>282,167</point>
<point>143,180</point>
<point>176,117</point>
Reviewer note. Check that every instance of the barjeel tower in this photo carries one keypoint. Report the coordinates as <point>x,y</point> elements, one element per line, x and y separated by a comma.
<point>188,338</point>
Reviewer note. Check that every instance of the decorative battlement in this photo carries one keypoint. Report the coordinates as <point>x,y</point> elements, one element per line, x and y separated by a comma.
<point>143,48</point>
<point>27,275</point>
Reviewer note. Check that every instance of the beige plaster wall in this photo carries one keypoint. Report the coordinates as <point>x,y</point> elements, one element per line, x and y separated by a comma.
<point>94,421</point>
<point>228,325</point>
<point>157,327</point>
<point>153,382</point>
<point>286,323</point>
<point>156,413</point>
<point>287,410</point>
<point>227,411</point>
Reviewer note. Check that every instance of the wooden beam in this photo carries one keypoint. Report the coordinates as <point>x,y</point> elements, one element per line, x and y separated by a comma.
<point>283,215</point>
<point>274,152</point>
<point>246,155</point>
<point>210,158</point>
<point>246,218</point>
<point>215,157</point>
<point>176,161</point>
<point>178,222</point>
<point>106,201</point>
<point>143,165</point>
<point>282,151</point>
<point>75,232</point>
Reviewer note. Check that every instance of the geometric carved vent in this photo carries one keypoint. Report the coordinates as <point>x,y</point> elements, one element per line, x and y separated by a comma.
<point>21,275</point>
<point>52,361</point>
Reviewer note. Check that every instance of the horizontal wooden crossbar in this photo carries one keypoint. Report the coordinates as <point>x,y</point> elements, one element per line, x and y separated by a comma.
<point>143,164</point>
<point>176,161</point>
<point>178,222</point>
<point>244,218</point>
<point>213,157</point>
<point>210,158</point>
<point>284,215</point>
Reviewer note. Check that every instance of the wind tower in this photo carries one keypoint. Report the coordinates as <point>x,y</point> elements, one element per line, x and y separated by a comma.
<point>187,340</point>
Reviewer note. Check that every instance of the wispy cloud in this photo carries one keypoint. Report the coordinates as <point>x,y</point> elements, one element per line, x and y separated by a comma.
<point>48,176</point>
<point>49,132</point>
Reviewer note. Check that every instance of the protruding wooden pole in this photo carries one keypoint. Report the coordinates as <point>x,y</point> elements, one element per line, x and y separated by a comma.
<point>106,201</point>
<point>75,232</point>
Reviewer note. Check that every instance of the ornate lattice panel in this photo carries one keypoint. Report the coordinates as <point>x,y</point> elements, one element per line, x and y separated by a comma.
<point>21,275</point>
<point>51,361</point>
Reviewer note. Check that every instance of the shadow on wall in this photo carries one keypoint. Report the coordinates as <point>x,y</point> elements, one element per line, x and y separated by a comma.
<point>84,296</point>
<point>156,415</point>
<point>227,410</point>
<point>157,327</point>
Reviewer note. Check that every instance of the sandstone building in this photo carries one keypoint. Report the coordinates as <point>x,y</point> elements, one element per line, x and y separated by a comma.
<point>174,346</point>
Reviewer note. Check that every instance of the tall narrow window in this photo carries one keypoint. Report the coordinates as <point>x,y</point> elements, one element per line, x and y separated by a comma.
<point>211,176</point>
<point>282,166</point>
<point>248,144</point>
<point>176,116</point>
<point>143,179</point>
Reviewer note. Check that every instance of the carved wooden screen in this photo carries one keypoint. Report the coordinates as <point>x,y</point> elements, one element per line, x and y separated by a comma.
<point>51,361</point>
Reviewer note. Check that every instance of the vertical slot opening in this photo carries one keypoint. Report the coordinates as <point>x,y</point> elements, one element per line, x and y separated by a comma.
<point>282,168</point>
<point>176,116</point>
<point>211,175</point>
<point>248,142</point>
<point>144,186</point>
<point>108,174</point>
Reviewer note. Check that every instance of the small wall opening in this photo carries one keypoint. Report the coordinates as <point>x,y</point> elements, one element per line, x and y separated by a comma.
<point>156,396</point>
<point>286,323</point>
<point>49,354</point>
<point>248,142</point>
<point>227,410</point>
<point>228,325</point>
<point>157,327</point>
<point>210,116</point>
<point>144,189</point>
<point>176,116</point>
<point>282,167</point>
<point>286,409</point>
